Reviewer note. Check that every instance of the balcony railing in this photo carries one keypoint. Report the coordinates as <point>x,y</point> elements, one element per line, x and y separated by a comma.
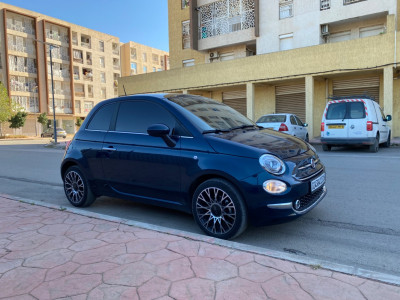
<point>216,19</point>
<point>86,45</point>
<point>346,2</point>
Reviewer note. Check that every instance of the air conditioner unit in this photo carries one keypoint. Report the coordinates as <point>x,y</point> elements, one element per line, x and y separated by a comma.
<point>214,54</point>
<point>325,29</point>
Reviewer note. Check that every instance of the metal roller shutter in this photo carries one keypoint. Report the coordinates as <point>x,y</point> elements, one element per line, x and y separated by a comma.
<point>358,86</point>
<point>236,100</point>
<point>291,99</point>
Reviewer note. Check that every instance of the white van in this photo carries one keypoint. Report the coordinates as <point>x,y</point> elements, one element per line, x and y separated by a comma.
<point>354,121</point>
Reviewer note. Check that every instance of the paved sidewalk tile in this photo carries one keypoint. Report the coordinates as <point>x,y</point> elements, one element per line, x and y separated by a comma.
<point>51,254</point>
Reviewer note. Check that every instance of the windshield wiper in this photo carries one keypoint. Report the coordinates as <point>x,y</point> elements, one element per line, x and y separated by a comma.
<point>215,131</point>
<point>243,126</point>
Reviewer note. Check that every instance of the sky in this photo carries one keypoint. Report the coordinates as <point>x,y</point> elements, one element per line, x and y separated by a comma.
<point>141,21</point>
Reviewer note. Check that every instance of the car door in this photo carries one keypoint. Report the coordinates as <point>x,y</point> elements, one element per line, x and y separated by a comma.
<point>302,131</point>
<point>293,126</point>
<point>137,164</point>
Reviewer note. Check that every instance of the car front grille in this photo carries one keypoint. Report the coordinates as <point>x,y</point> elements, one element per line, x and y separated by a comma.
<point>307,167</point>
<point>308,200</point>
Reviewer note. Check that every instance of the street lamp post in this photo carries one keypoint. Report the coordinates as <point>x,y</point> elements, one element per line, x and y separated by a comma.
<point>51,46</point>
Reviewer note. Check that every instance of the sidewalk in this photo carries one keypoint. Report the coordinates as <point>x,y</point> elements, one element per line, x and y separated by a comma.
<point>52,253</point>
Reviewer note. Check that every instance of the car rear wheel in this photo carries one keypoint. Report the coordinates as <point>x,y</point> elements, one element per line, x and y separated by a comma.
<point>375,146</point>
<point>326,147</point>
<point>76,188</point>
<point>219,209</point>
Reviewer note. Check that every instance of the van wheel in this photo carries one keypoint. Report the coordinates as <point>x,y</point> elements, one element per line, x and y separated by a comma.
<point>375,146</point>
<point>77,189</point>
<point>387,144</point>
<point>326,147</point>
<point>219,209</point>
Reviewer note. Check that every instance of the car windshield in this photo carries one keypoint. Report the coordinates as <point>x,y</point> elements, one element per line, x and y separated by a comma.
<point>346,110</point>
<point>59,129</point>
<point>211,115</point>
<point>272,119</point>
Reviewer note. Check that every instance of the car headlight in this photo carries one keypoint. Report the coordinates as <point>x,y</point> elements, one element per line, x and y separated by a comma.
<point>272,164</point>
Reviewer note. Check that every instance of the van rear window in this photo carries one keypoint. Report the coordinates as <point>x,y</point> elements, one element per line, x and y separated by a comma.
<point>346,110</point>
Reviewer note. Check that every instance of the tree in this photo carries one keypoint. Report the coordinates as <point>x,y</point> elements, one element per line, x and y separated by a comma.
<point>79,122</point>
<point>5,106</point>
<point>42,119</point>
<point>18,120</point>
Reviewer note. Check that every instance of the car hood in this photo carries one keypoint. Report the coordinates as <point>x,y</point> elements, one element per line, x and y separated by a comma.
<point>254,143</point>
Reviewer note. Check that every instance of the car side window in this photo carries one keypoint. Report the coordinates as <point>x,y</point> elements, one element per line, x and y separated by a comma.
<point>137,116</point>
<point>102,118</point>
<point>299,121</point>
<point>292,120</point>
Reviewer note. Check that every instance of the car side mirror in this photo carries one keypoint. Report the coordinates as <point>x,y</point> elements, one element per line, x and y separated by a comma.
<point>388,118</point>
<point>162,131</point>
<point>305,125</point>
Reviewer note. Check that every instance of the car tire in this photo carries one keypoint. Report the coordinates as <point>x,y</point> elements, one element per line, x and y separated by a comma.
<point>77,189</point>
<point>219,209</point>
<point>375,146</point>
<point>307,139</point>
<point>326,147</point>
<point>387,143</point>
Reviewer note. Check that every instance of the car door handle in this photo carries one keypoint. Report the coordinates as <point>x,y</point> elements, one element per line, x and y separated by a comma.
<point>109,148</point>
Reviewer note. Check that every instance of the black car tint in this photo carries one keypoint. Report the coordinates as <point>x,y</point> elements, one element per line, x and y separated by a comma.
<point>101,119</point>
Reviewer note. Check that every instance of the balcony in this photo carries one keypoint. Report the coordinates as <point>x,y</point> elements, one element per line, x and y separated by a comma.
<point>223,23</point>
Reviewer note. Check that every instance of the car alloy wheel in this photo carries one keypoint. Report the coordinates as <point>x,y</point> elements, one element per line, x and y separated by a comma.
<point>76,188</point>
<point>219,209</point>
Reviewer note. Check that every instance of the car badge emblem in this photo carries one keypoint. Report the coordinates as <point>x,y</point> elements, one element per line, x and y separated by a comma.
<point>312,163</point>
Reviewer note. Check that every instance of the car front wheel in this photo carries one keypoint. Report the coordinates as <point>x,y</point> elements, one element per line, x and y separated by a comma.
<point>219,209</point>
<point>76,188</point>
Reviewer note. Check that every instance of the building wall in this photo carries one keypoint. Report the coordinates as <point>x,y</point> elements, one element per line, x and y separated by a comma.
<point>127,59</point>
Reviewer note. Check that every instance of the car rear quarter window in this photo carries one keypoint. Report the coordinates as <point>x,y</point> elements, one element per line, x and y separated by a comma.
<point>137,116</point>
<point>292,120</point>
<point>102,118</point>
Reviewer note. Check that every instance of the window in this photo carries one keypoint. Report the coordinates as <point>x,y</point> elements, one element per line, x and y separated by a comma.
<point>102,62</point>
<point>139,115</point>
<point>144,56</point>
<point>102,118</point>
<point>285,9</point>
<point>88,105</point>
<point>346,110</point>
<point>133,53</point>
<point>371,31</point>
<point>154,69</point>
<point>286,42</point>
<point>155,59</point>
<point>186,35</point>
<point>144,69</point>
<point>102,77</point>
<point>299,121</point>
<point>292,120</point>
<point>227,56</point>
<point>101,46</point>
<point>185,3</point>
<point>133,66</point>
<point>346,2</point>
<point>188,63</point>
<point>103,93</point>
<point>325,4</point>
<point>340,36</point>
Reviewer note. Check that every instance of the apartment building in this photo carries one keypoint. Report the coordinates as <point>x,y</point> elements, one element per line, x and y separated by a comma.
<point>274,56</point>
<point>140,59</point>
<point>86,66</point>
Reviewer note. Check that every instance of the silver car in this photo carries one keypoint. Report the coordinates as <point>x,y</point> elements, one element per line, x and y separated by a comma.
<point>49,132</point>
<point>287,123</point>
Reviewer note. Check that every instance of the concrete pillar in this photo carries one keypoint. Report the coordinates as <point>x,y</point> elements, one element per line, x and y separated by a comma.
<point>250,94</point>
<point>310,105</point>
<point>388,90</point>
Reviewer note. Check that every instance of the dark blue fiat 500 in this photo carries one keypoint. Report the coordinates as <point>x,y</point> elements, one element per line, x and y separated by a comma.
<point>192,154</point>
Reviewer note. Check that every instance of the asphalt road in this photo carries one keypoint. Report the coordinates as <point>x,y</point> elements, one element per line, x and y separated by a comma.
<point>357,223</point>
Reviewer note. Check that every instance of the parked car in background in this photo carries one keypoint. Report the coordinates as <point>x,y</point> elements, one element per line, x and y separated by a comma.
<point>193,154</point>
<point>287,123</point>
<point>49,132</point>
<point>354,121</point>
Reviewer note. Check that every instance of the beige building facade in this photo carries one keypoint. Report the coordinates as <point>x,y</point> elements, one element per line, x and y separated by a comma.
<point>86,66</point>
<point>140,59</point>
<point>272,56</point>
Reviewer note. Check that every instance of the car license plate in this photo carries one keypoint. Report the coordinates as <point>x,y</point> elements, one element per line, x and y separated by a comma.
<point>317,183</point>
<point>335,126</point>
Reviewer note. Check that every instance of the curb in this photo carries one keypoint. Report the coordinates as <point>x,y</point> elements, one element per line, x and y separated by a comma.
<point>350,270</point>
